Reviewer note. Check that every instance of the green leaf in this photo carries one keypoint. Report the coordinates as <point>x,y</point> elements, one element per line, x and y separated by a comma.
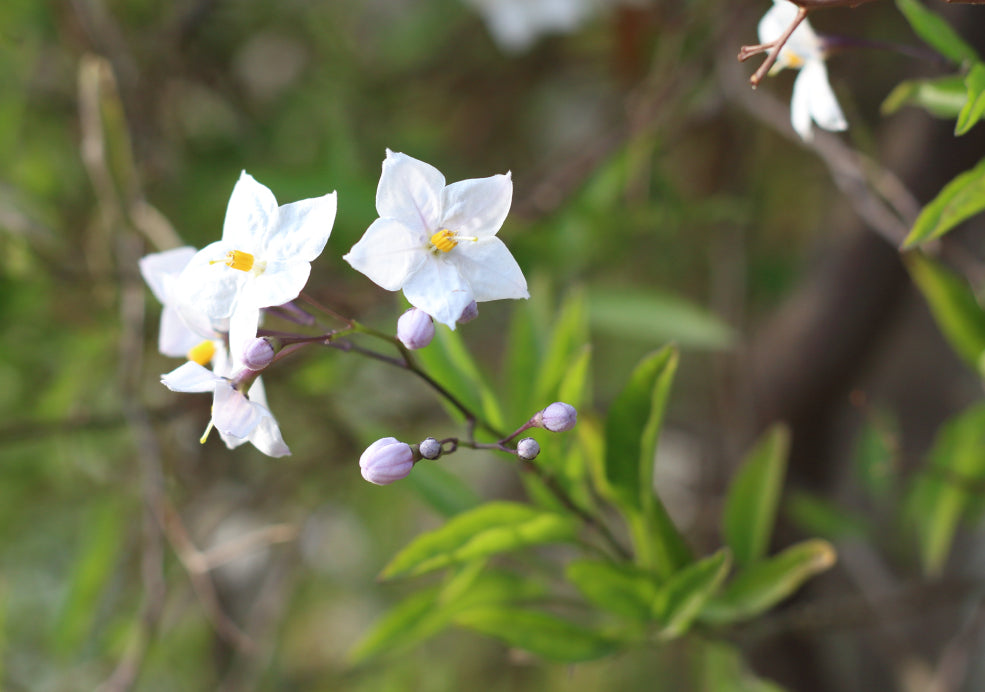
<point>539,633</point>
<point>444,491</point>
<point>522,360</point>
<point>492,528</point>
<point>960,199</point>
<point>620,589</point>
<point>936,32</point>
<point>955,462</point>
<point>685,594</point>
<point>953,305</point>
<point>723,669</point>
<point>569,336</point>
<point>877,455</point>
<point>657,318</point>
<point>754,496</point>
<point>819,517</point>
<point>575,385</point>
<point>763,584</point>
<point>974,107</point>
<point>942,97</point>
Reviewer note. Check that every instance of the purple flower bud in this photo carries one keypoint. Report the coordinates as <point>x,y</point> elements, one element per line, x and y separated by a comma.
<point>259,354</point>
<point>386,460</point>
<point>558,417</point>
<point>430,448</point>
<point>415,329</point>
<point>527,449</point>
<point>470,312</point>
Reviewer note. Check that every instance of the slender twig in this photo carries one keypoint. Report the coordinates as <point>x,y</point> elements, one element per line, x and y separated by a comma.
<point>774,48</point>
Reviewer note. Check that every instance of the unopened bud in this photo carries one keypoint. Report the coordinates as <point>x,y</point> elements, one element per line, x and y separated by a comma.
<point>527,449</point>
<point>558,417</point>
<point>386,460</point>
<point>470,312</point>
<point>259,353</point>
<point>415,329</point>
<point>430,448</point>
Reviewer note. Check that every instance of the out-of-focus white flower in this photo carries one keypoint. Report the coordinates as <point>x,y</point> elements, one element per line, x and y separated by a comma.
<point>516,24</point>
<point>263,259</point>
<point>813,99</point>
<point>238,417</point>
<point>438,242</point>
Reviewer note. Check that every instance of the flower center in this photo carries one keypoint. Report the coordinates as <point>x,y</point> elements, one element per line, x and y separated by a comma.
<point>444,240</point>
<point>243,261</point>
<point>201,353</point>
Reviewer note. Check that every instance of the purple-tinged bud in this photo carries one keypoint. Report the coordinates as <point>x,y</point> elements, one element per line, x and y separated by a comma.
<point>415,329</point>
<point>259,354</point>
<point>386,460</point>
<point>430,448</point>
<point>527,449</point>
<point>558,417</point>
<point>470,312</point>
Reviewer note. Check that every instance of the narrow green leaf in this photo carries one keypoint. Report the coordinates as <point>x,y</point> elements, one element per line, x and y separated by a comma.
<point>684,595</point>
<point>754,497</point>
<point>942,97</point>
<point>974,107</point>
<point>953,305</point>
<point>522,360</point>
<point>936,32</point>
<point>620,589</point>
<point>819,517</point>
<point>576,383</point>
<point>445,492</point>
<point>409,622</point>
<point>762,585</point>
<point>960,199</point>
<point>570,334</point>
<point>723,669</point>
<point>877,455</point>
<point>492,528</point>
<point>539,633</point>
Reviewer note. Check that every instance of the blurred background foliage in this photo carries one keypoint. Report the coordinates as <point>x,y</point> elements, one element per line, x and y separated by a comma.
<point>639,180</point>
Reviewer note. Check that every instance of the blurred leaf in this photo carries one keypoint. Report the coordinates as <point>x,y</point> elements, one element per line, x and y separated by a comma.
<point>653,317</point>
<point>953,305</point>
<point>575,384</point>
<point>444,491</point>
<point>723,669</point>
<point>754,496</point>
<point>620,589</point>
<point>684,595</point>
<point>762,585</point>
<point>935,32</point>
<point>960,199</point>
<point>974,107</point>
<point>957,459</point>
<point>569,336</point>
<point>942,97</point>
<point>492,528</point>
<point>820,517</point>
<point>523,356</point>
<point>545,635</point>
<point>876,453</point>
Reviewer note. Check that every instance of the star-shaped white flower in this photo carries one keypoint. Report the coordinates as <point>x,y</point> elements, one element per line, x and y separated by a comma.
<point>516,24</point>
<point>813,99</point>
<point>263,259</point>
<point>238,417</point>
<point>438,242</point>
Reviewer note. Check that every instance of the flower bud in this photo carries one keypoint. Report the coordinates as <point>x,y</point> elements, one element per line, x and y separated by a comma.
<point>558,417</point>
<point>470,312</point>
<point>527,449</point>
<point>415,329</point>
<point>430,448</point>
<point>386,460</point>
<point>259,353</point>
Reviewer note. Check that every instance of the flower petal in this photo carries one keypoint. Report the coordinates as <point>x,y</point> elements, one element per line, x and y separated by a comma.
<point>800,107</point>
<point>174,338</point>
<point>242,330</point>
<point>280,283</point>
<point>190,377</point>
<point>303,228</point>
<point>207,286</point>
<point>490,269</point>
<point>821,100</point>
<point>250,215</point>
<point>410,191</point>
<point>232,413</point>
<point>388,253</point>
<point>267,438</point>
<point>438,289</point>
<point>155,269</point>
<point>803,44</point>
<point>477,206</point>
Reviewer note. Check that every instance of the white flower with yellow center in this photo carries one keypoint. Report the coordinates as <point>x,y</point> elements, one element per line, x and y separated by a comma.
<point>263,259</point>
<point>438,242</point>
<point>813,99</point>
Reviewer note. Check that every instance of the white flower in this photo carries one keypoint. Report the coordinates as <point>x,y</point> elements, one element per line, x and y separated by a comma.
<point>438,242</point>
<point>812,98</point>
<point>239,418</point>
<point>263,259</point>
<point>516,24</point>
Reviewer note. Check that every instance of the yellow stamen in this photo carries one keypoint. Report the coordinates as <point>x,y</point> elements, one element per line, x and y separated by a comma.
<point>237,259</point>
<point>444,240</point>
<point>201,353</point>
<point>205,435</point>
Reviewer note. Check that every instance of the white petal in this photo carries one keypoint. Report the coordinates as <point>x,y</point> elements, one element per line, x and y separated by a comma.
<point>207,286</point>
<point>490,270</point>
<point>802,46</point>
<point>232,413</point>
<point>250,215</point>
<point>190,377</point>
<point>822,103</point>
<point>410,191</point>
<point>800,108</point>
<point>303,229</point>
<point>439,290</point>
<point>776,20</point>
<point>156,267</point>
<point>267,438</point>
<point>175,338</point>
<point>242,330</point>
<point>478,206</point>
<point>388,253</point>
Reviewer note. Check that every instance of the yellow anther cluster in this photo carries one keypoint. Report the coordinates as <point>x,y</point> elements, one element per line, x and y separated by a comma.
<point>444,240</point>
<point>202,353</point>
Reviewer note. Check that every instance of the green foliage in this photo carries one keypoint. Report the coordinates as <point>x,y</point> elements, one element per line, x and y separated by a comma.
<point>624,590</point>
<point>974,106</point>
<point>819,517</point>
<point>684,595</point>
<point>960,199</point>
<point>936,32</point>
<point>942,97</point>
<point>446,493</point>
